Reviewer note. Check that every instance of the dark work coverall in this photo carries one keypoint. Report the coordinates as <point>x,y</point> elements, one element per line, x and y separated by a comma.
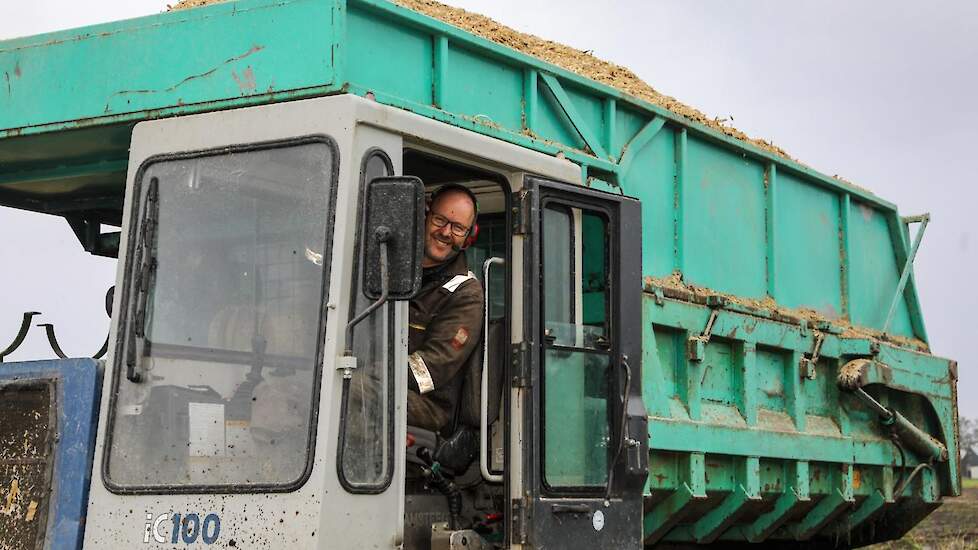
<point>445,327</point>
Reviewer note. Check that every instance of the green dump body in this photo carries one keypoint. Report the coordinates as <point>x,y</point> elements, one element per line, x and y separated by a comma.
<point>751,440</point>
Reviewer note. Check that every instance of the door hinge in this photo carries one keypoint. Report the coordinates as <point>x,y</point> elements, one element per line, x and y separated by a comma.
<point>520,521</point>
<point>520,366</point>
<point>522,204</point>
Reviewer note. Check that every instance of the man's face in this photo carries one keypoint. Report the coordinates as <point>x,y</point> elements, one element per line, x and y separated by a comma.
<point>440,245</point>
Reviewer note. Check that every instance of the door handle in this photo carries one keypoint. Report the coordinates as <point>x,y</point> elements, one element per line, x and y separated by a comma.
<point>570,509</point>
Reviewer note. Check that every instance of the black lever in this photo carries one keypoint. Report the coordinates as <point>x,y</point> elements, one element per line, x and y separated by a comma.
<point>56,347</point>
<point>25,325</point>
<point>53,339</point>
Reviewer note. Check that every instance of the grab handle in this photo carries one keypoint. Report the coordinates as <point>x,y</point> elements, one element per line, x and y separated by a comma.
<point>484,406</point>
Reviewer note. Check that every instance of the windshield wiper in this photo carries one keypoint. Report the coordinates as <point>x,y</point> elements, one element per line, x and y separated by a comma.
<point>146,260</point>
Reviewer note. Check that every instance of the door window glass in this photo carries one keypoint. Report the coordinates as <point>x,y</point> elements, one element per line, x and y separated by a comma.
<point>559,262</point>
<point>367,435</point>
<point>576,347</point>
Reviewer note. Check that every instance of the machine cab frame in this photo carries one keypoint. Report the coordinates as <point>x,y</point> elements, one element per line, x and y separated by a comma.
<point>348,141</point>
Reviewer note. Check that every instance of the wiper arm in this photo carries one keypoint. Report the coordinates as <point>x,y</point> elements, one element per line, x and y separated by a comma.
<point>146,259</point>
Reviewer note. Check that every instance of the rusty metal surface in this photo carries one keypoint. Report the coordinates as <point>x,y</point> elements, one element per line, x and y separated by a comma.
<point>27,434</point>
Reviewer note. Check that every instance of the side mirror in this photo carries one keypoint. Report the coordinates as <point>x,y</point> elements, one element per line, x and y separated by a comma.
<point>393,219</point>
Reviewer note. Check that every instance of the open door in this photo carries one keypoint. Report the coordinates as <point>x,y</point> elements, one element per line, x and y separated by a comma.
<point>578,371</point>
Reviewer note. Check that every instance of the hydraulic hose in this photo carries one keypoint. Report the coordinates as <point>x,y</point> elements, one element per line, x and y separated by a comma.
<point>433,475</point>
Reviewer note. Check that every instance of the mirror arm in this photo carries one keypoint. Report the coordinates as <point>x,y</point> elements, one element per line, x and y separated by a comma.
<point>382,234</point>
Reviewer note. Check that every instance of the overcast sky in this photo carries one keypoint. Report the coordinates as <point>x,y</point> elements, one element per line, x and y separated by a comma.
<point>881,93</point>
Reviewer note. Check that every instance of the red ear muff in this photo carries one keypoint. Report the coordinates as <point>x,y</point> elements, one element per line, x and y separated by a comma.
<point>473,235</point>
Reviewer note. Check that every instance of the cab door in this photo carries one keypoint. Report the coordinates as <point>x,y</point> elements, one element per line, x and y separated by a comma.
<point>583,440</point>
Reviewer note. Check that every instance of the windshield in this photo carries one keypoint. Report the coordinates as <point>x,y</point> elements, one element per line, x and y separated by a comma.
<point>221,337</point>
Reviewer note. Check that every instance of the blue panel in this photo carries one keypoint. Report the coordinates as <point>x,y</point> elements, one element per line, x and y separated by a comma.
<point>79,385</point>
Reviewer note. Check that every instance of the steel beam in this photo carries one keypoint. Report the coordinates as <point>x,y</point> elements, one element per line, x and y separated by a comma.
<point>708,528</point>
<point>679,211</point>
<point>795,496</point>
<point>673,509</point>
<point>567,105</point>
<point>904,257</point>
<point>610,124</point>
<point>845,252</point>
<point>828,508</point>
<point>870,508</point>
<point>640,140</point>
<point>905,273</point>
<point>530,79</point>
<point>439,68</point>
<point>770,197</point>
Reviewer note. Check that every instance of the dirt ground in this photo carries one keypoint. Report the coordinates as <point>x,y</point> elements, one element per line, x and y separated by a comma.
<point>953,526</point>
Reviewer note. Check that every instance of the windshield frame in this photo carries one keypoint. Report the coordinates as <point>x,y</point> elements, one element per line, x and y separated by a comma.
<point>125,322</point>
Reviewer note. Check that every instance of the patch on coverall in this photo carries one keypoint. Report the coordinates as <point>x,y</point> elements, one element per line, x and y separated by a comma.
<point>461,337</point>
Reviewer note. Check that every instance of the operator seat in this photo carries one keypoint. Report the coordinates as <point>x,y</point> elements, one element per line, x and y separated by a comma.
<point>470,400</point>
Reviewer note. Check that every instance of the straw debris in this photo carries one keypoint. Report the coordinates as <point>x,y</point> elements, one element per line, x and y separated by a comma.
<point>187,4</point>
<point>851,374</point>
<point>576,61</point>
<point>571,59</point>
<point>767,307</point>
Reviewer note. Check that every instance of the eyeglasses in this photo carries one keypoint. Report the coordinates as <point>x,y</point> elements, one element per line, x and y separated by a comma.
<point>458,229</point>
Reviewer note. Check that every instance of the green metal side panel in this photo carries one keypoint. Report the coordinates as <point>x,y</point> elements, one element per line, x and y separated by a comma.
<point>69,99</point>
<point>474,97</point>
<point>711,207</point>
<point>723,209</point>
<point>809,267</point>
<point>380,50</point>
<point>654,173</point>
<point>875,270</point>
<point>785,457</point>
<point>772,370</point>
<point>223,52</point>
